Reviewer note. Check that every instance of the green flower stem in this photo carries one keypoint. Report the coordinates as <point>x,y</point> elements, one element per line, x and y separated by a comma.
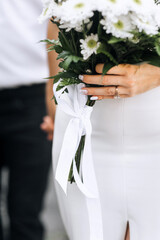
<point>80,149</point>
<point>74,43</point>
<point>77,159</point>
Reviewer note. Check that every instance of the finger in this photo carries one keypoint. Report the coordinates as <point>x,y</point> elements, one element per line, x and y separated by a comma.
<point>48,120</point>
<point>104,91</point>
<point>99,68</point>
<point>44,127</point>
<point>50,137</point>
<point>124,96</point>
<point>47,124</point>
<point>45,118</point>
<point>120,69</point>
<point>96,98</point>
<point>105,80</point>
<point>108,97</point>
<point>47,127</point>
<point>120,97</point>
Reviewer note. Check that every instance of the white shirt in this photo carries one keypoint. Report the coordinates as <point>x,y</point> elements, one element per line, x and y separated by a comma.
<point>23,61</point>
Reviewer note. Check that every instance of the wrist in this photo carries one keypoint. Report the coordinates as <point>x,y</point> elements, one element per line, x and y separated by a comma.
<point>154,73</point>
<point>158,76</point>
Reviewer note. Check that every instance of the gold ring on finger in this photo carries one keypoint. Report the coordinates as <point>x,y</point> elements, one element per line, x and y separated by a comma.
<point>116,96</point>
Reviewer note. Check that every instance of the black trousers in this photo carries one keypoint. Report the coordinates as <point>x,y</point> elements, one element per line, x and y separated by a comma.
<point>26,152</point>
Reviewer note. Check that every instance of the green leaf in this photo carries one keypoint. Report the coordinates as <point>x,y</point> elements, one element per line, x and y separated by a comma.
<point>114,40</point>
<point>157,46</point>
<point>65,43</point>
<point>76,59</point>
<point>54,45</point>
<point>62,75</point>
<point>153,60</point>
<point>103,49</point>
<point>66,82</point>
<point>50,41</point>
<point>53,98</point>
<point>58,49</point>
<point>99,30</point>
<point>66,63</point>
<point>107,67</point>
<point>61,65</point>
<point>63,55</point>
<point>68,59</point>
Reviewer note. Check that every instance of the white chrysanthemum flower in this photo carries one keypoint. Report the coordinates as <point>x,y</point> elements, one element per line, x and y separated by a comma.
<point>78,26</point>
<point>74,12</point>
<point>145,23</point>
<point>144,15</point>
<point>49,10</point>
<point>89,46</point>
<point>120,27</point>
<point>157,15</point>
<point>141,6</point>
<point>112,7</point>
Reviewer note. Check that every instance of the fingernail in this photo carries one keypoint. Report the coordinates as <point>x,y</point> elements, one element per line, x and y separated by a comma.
<point>94,98</point>
<point>83,85</point>
<point>84,92</point>
<point>81,77</point>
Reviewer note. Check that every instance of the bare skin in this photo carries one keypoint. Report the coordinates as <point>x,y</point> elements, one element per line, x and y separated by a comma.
<point>127,237</point>
<point>48,121</point>
<point>130,79</point>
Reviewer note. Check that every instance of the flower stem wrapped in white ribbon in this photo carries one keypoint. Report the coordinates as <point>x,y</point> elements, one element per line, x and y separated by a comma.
<point>73,103</point>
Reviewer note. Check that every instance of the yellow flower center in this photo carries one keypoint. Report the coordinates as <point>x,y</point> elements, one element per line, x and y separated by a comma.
<point>91,43</point>
<point>137,1</point>
<point>119,25</point>
<point>79,5</point>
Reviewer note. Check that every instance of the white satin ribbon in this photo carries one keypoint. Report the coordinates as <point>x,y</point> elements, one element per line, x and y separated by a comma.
<point>73,103</point>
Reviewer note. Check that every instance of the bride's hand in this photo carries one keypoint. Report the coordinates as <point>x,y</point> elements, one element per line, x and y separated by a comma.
<point>130,79</point>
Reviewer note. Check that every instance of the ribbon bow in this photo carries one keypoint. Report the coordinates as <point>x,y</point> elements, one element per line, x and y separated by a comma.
<point>73,103</point>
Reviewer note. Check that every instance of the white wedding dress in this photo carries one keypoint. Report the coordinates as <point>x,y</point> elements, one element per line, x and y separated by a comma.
<point>126,152</point>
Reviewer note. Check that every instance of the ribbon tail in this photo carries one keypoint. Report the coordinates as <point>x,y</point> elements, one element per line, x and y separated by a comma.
<point>93,205</point>
<point>80,184</point>
<point>67,154</point>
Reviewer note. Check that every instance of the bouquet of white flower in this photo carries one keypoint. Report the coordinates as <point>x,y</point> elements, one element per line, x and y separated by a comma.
<point>105,31</point>
<point>91,32</point>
